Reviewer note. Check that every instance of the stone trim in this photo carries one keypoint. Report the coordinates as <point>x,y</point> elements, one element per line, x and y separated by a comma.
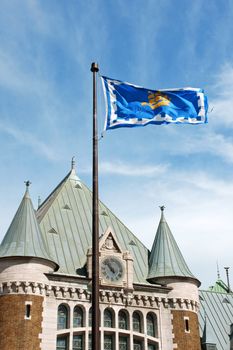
<point>106,296</point>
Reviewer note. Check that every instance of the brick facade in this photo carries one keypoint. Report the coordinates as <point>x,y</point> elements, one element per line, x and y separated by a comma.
<point>16,332</point>
<point>185,330</point>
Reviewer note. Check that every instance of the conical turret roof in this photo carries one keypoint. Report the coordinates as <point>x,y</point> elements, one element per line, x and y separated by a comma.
<point>166,259</point>
<point>24,237</point>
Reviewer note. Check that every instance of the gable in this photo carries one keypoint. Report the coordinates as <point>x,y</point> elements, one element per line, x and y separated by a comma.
<point>67,232</point>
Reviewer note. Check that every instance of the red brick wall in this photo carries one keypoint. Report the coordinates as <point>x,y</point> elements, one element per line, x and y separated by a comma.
<point>16,333</point>
<point>186,340</point>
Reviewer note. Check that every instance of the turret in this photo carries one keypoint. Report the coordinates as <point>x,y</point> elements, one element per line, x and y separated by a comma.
<point>24,262</point>
<point>24,242</point>
<point>166,262</point>
<point>167,266</point>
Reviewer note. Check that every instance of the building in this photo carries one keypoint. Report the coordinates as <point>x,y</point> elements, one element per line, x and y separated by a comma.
<point>148,299</point>
<point>216,317</point>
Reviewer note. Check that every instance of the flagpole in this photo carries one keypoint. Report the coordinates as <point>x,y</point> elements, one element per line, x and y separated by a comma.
<point>95,222</point>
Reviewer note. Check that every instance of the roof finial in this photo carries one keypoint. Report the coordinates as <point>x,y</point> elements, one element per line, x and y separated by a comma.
<point>27,183</point>
<point>73,163</point>
<point>218,272</point>
<point>162,207</point>
<point>228,281</point>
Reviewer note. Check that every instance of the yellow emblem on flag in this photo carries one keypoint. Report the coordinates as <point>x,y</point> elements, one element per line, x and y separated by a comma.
<point>156,100</point>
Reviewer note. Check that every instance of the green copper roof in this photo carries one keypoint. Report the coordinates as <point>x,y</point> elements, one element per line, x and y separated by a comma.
<point>219,287</point>
<point>217,309</point>
<point>24,237</point>
<point>65,220</point>
<point>208,336</point>
<point>165,258</point>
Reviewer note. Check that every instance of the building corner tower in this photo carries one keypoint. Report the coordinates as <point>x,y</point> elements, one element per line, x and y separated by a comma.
<point>24,261</point>
<point>168,267</point>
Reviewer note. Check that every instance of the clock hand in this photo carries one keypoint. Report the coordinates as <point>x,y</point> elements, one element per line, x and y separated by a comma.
<point>111,269</point>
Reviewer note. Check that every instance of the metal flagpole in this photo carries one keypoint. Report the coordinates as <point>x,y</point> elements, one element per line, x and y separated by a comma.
<point>95,223</point>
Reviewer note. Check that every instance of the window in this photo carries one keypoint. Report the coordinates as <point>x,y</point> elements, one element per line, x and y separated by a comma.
<point>28,305</point>
<point>123,320</point>
<point>153,346</point>
<point>78,342</point>
<point>90,318</point>
<point>137,322</point>
<point>108,318</point>
<point>123,343</point>
<point>108,342</point>
<point>62,318</point>
<point>186,325</point>
<point>137,345</point>
<point>78,317</point>
<point>62,343</point>
<point>151,324</point>
<point>89,341</point>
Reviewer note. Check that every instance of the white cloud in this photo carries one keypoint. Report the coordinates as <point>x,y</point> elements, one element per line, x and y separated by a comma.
<point>29,139</point>
<point>198,211</point>
<point>127,169</point>
<point>222,104</point>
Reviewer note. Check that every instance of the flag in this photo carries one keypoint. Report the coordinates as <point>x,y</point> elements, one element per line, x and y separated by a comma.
<point>128,105</point>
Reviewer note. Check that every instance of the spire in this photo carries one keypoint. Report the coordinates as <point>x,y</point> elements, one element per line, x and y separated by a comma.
<point>73,163</point>
<point>24,237</point>
<point>27,184</point>
<point>166,259</point>
<point>218,272</point>
<point>72,174</point>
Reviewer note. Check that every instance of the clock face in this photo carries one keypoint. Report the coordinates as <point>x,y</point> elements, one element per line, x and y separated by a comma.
<point>112,269</point>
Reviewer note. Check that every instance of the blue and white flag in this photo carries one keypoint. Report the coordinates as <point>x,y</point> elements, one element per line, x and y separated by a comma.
<point>129,105</point>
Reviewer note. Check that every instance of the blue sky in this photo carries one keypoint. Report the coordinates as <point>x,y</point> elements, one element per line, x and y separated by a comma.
<point>46,49</point>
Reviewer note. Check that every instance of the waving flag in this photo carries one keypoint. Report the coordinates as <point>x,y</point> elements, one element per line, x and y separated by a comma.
<point>129,105</point>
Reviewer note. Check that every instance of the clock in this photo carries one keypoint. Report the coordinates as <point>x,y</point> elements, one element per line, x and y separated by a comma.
<point>112,269</point>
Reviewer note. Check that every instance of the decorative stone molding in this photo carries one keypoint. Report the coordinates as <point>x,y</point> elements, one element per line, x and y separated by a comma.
<point>118,297</point>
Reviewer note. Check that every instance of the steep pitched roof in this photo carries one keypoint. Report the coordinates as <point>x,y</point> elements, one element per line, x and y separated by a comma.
<point>219,287</point>
<point>217,309</point>
<point>166,259</point>
<point>208,336</point>
<point>24,237</point>
<point>65,219</point>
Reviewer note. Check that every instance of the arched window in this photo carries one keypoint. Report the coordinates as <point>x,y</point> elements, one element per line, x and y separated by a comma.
<point>78,317</point>
<point>108,318</point>
<point>62,317</point>
<point>137,327</point>
<point>151,325</point>
<point>90,317</point>
<point>123,320</point>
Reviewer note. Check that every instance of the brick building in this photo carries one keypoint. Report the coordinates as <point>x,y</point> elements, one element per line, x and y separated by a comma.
<point>148,299</point>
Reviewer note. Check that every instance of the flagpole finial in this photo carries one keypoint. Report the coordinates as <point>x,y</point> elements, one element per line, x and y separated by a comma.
<point>94,67</point>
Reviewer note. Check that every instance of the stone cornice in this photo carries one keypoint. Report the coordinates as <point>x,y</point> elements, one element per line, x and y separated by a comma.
<point>117,297</point>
